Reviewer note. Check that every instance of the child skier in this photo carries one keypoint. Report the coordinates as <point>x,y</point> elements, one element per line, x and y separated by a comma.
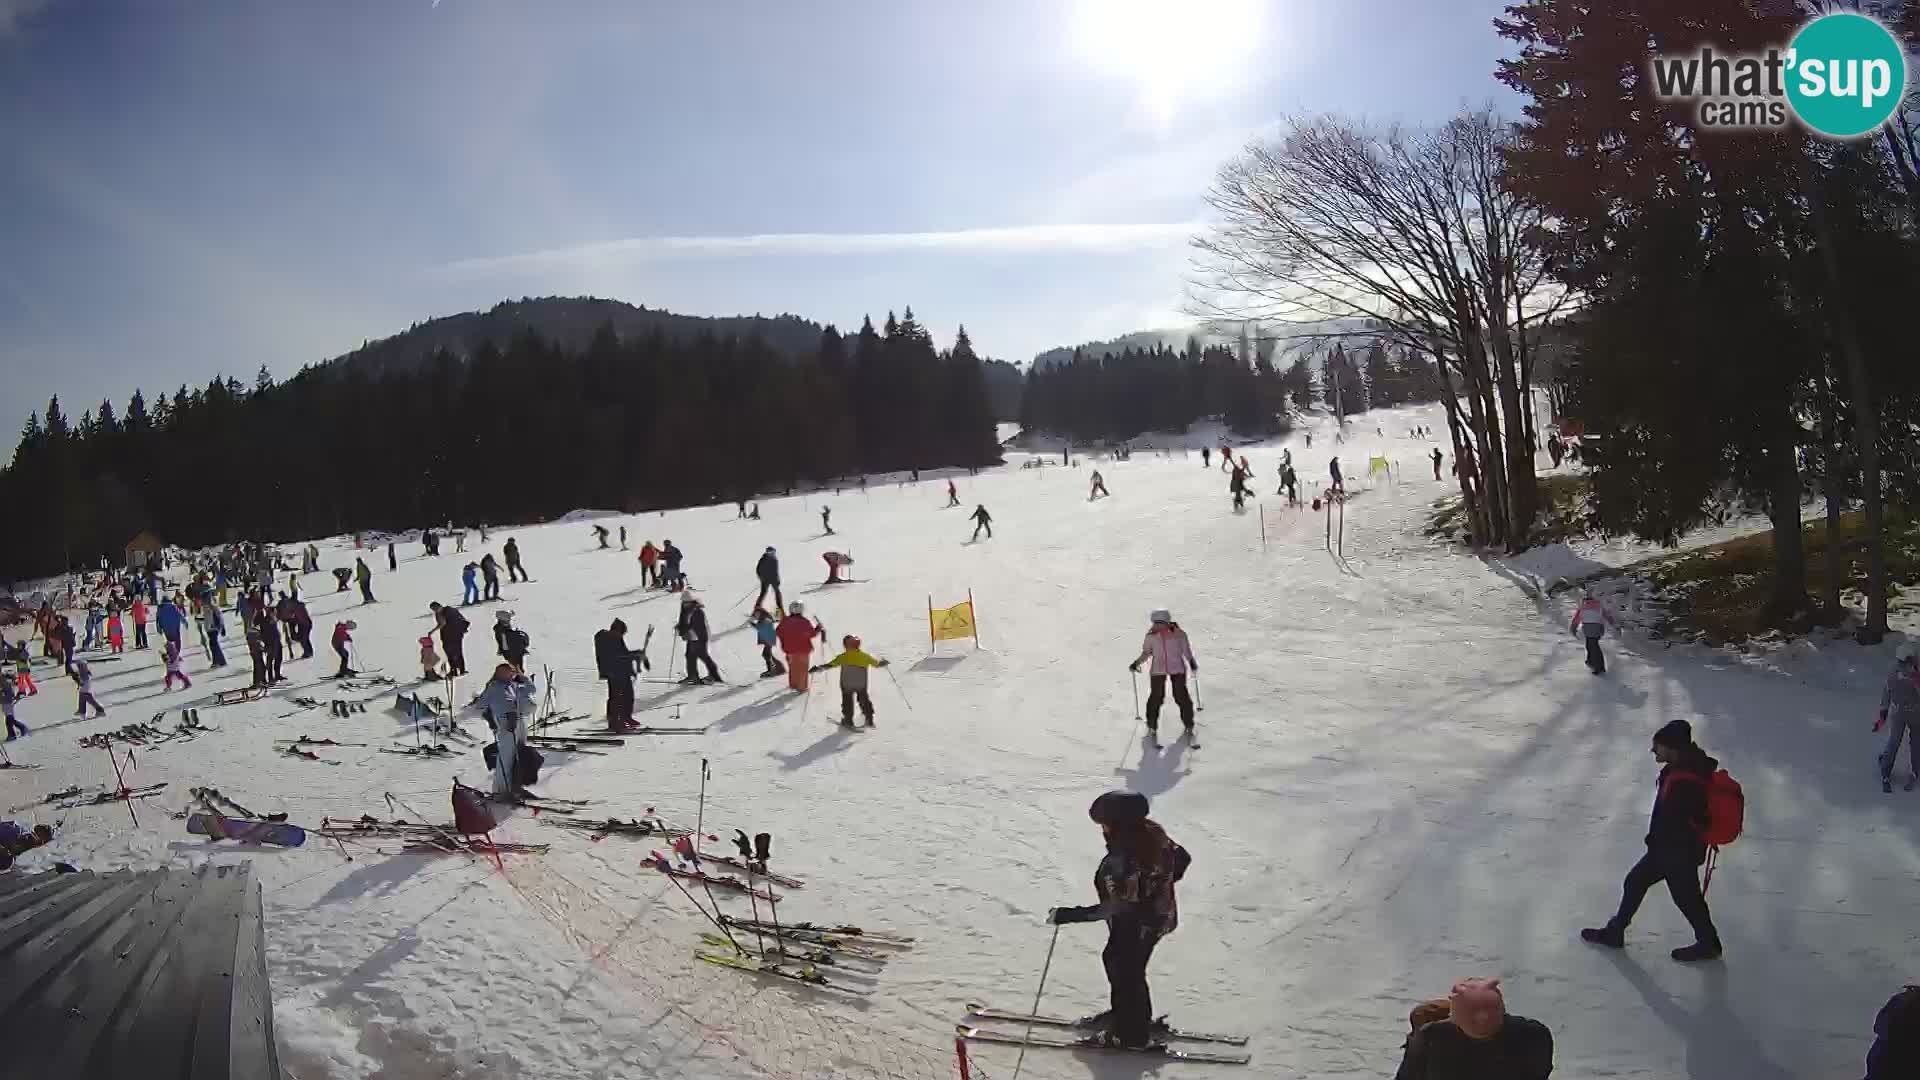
<point>170,652</point>
<point>429,660</point>
<point>1172,655</point>
<point>853,665</point>
<point>764,633</point>
<point>1590,620</point>
<point>8,695</point>
<point>83,681</point>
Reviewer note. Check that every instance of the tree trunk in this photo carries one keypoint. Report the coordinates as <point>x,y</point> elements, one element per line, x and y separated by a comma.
<point>1783,508</point>
<point>1830,442</point>
<point>1866,417</point>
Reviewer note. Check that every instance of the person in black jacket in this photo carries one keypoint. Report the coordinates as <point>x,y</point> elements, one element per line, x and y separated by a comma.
<point>453,632</point>
<point>1675,849</point>
<point>692,628</point>
<point>616,663</point>
<point>1135,884</point>
<point>768,571</point>
<point>1476,1039</point>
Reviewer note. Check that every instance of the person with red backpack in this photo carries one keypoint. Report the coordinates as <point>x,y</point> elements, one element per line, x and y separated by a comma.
<point>1690,812</point>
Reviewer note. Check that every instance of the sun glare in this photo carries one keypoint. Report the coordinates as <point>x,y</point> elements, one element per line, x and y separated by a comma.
<point>1174,53</point>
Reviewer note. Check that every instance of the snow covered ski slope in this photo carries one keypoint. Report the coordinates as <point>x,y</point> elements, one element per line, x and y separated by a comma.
<point>1407,777</point>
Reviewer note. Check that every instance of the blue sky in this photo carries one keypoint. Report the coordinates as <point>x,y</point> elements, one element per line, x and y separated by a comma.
<point>199,187</point>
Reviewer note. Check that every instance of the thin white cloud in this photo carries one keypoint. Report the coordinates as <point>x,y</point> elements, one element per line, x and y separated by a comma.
<point>1007,240</point>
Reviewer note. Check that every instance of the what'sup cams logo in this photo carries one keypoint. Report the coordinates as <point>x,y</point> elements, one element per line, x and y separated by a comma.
<point>1842,76</point>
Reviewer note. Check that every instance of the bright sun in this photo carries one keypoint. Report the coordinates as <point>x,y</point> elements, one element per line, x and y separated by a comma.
<point>1173,51</point>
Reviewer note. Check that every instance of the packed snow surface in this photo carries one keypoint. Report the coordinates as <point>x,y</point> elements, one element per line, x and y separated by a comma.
<point>1407,776</point>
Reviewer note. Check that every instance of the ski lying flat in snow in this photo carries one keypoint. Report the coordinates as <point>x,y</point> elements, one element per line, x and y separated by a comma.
<point>874,937</point>
<point>987,1012</point>
<point>767,967</point>
<point>974,1034</point>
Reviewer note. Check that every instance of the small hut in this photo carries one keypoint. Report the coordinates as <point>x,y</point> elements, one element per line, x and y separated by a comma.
<point>143,551</point>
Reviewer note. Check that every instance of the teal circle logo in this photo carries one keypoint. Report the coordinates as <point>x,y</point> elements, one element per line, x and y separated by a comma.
<point>1846,75</point>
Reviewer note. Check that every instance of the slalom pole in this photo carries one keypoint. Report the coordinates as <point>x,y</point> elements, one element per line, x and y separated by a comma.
<point>898,688</point>
<point>1136,693</point>
<point>1037,991</point>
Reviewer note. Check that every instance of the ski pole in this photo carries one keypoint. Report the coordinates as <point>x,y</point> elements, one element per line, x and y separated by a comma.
<point>1136,692</point>
<point>1037,991</point>
<point>896,685</point>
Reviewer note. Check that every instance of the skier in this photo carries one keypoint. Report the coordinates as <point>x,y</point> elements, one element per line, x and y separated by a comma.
<point>139,614</point>
<point>1674,845</point>
<point>364,575</point>
<point>508,699</point>
<point>617,666</point>
<point>1172,655</point>
<point>1474,1036</point>
<point>836,561</point>
<point>429,660</point>
<point>623,538</point>
<point>1099,487</point>
<point>1895,1052</point>
<point>764,635</point>
<point>693,629</point>
<point>83,681</point>
<point>393,560</point>
<point>953,494</point>
<point>1590,620</point>
<point>853,665</point>
<point>169,619</point>
<point>490,577</point>
<point>796,633</point>
<point>768,571</point>
<point>8,695</point>
<point>982,520</point>
<point>515,571</point>
<point>649,558</point>
<point>826,522</point>
<point>600,531</point>
<point>1135,883</point>
<point>453,632</point>
<point>469,582</point>
<point>1900,708</point>
<point>511,641</point>
<point>343,637</point>
<point>1436,463</point>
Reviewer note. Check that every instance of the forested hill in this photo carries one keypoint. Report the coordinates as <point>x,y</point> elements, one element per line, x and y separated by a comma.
<point>570,323</point>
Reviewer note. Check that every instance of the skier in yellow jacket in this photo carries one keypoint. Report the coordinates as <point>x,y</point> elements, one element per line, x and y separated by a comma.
<point>853,665</point>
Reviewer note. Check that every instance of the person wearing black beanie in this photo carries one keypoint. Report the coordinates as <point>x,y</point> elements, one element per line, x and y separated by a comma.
<point>1675,847</point>
<point>1135,885</point>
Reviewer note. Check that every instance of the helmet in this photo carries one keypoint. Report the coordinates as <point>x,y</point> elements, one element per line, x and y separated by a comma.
<point>1119,808</point>
<point>1161,615</point>
<point>849,642</point>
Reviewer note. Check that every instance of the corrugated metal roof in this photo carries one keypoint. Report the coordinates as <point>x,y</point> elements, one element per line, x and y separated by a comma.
<point>159,975</point>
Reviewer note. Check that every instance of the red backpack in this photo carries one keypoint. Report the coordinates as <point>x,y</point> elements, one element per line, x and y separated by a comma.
<point>1726,807</point>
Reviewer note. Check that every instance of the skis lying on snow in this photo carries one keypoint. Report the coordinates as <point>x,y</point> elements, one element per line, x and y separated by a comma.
<point>614,826</point>
<point>216,827</point>
<point>815,931</point>
<point>800,973</point>
<point>978,1011</point>
<point>718,881</point>
<point>974,1034</point>
<point>816,954</point>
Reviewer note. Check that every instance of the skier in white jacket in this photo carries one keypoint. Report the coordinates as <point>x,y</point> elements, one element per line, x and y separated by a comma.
<point>1172,655</point>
